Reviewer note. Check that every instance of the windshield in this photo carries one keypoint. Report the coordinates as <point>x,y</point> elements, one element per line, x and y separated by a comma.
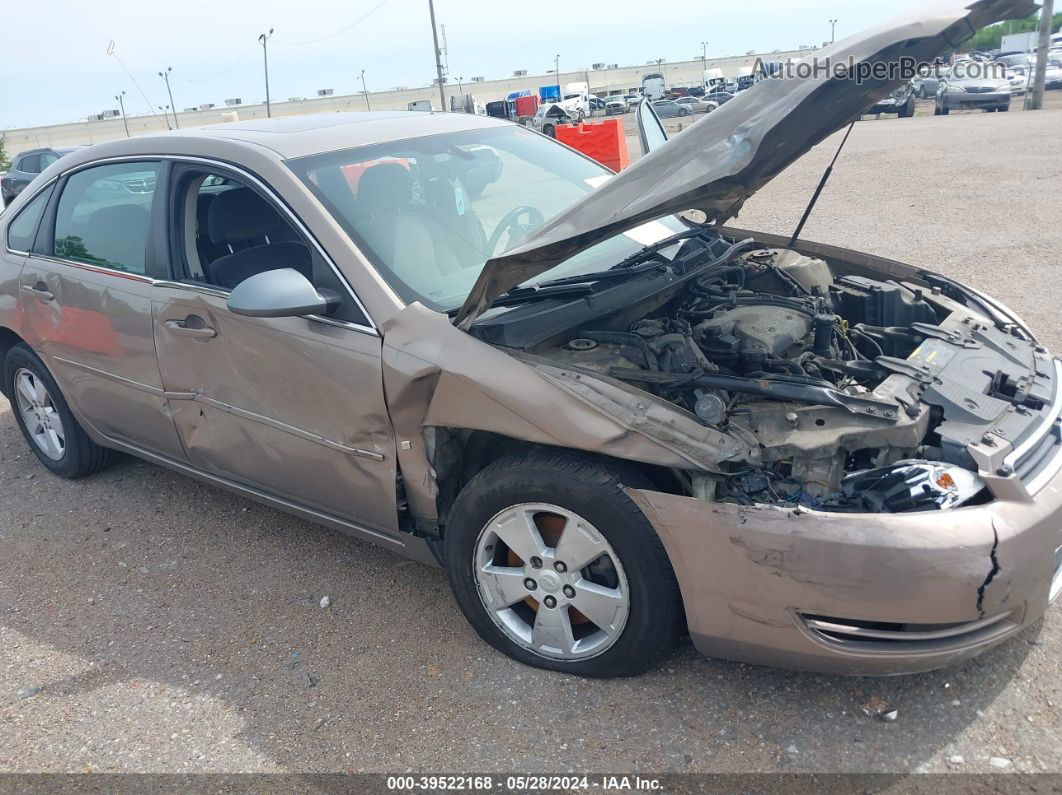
<point>430,212</point>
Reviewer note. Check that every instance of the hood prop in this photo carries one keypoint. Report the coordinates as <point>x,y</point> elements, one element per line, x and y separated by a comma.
<point>818,190</point>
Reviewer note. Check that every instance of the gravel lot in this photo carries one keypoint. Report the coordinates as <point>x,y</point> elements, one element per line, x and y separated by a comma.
<point>150,623</point>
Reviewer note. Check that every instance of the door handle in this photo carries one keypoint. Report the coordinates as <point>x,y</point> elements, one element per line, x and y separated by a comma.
<point>40,290</point>
<point>192,326</point>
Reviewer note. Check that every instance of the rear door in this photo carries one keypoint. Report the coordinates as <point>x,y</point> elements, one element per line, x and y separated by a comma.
<point>292,406</point>
<point>86,289</point>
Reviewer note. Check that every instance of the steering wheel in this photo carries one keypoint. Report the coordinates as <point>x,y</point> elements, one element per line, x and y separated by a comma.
<point>511,224</point>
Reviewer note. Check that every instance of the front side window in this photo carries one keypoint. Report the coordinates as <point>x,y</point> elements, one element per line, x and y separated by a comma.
<point>430,212</point>
<point>104,214</point>
<point>47,159</point>
<point>23,229</point>
<point>228,232</point>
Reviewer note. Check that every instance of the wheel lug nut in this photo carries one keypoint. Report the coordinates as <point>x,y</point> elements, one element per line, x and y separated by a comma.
<point>550,602</point>
<point>536,563</point>
<point>569,591</point>
<point>530,584</point>
<point>559,566</point>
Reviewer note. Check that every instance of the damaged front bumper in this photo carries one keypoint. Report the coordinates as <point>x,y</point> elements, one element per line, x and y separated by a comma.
<point>860,593</point>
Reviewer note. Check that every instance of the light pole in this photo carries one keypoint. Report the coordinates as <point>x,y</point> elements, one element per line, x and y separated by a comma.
<point>121,104</point>
<point>438,56</point>
<point>264,38</point>
<point>833,31</point>
<point>556,67</point>
<point>166,115</point>
<point>166,76</point>
<point>365,91</point>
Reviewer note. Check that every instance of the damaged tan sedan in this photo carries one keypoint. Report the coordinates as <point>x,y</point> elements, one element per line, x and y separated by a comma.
<point>469,344</point>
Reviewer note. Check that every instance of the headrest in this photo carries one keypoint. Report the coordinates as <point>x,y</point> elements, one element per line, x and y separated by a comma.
<point>241,214</point>
<point>385,187</point>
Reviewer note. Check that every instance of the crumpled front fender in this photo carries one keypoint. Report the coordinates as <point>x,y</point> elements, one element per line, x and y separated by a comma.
<point>437,375</point>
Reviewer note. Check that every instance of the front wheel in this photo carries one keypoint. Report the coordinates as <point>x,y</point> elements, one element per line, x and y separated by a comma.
<point>45,420</point>
<point>554,565</point>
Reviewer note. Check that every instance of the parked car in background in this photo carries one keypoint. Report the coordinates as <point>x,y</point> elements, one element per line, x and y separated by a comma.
<point>902,102</point>
<point>926,85</point>
<point>1024,63</point>
<point>632,99</point>
<point>971,85</point>
<point>26,166</point>
<point>697,105</point>
<point>597,104</point>
<point>719,96</point>
<point>616,106</point>
<point>669,108</point>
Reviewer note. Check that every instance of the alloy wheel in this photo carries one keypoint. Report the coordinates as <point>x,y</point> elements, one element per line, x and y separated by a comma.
<point>41,418</point>
<point>551,582</point>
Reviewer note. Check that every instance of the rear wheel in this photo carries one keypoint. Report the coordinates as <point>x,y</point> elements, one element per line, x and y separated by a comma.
<point>42,414</point>
<point>553,564</point>
<point>1004,108</point>
<point>550,130</point>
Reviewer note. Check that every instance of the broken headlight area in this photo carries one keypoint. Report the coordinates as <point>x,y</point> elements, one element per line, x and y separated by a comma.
<point>850,393</point>
<point>912,486</point>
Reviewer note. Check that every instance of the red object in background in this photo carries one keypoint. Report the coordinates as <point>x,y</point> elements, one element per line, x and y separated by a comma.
<point>526,106</point>
<point>604,141</point>
<point>353,171</point>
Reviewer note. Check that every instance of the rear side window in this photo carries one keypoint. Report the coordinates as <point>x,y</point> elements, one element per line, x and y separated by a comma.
<point>103,216</point>
<point>23,228</point>
<point>30,164</point>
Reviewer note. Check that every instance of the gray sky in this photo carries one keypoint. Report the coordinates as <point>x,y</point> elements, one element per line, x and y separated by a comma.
<point>56,67</point>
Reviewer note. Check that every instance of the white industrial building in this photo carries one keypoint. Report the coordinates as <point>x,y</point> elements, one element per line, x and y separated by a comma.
<point>604,81</point>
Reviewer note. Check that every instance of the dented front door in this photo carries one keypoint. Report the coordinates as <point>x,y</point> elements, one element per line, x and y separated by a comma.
<point>291,406</point>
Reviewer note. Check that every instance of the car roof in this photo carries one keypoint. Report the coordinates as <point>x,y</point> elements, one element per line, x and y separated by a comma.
<point>298,136</point>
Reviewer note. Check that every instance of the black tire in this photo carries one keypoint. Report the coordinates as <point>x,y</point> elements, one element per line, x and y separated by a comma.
<point>550,130</point>
<point>945,110</point>
<point>81,456</point>
<point>1004,108</point>
<point>594,490</point>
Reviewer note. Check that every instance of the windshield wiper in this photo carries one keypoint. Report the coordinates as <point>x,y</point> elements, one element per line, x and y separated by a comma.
<point>523,295</point>
<point>641,261</point>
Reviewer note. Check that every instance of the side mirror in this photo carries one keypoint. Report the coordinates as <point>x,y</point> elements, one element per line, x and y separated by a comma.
<point>279,293</point>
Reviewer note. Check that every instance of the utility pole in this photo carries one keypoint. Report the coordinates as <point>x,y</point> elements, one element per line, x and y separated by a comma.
<point>166,76</point>
<point>833,31</point>
<point>121,104</point>
<point>264,38</point>
<point>1036,100</point>
<point>166,115</point>
<point>438,56</point>
<point>365,91</point>
<point>556,68</point>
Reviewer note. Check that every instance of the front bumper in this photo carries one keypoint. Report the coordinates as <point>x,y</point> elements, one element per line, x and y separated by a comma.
<point>860,593</point>
<point>975,100</point>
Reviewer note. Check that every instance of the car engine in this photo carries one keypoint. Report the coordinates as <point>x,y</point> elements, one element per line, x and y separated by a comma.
<point>854,394</point>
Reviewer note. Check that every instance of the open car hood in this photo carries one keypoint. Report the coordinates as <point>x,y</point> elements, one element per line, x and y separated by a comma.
<point>723,159</point>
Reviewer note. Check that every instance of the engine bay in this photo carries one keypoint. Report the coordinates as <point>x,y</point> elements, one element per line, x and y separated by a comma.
<point>852,393</point>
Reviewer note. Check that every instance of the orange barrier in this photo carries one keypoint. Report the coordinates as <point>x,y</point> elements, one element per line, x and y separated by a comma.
<point>604,141</point>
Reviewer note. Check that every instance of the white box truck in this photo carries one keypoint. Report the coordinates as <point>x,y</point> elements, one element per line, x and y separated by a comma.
<point>1020,42</point>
